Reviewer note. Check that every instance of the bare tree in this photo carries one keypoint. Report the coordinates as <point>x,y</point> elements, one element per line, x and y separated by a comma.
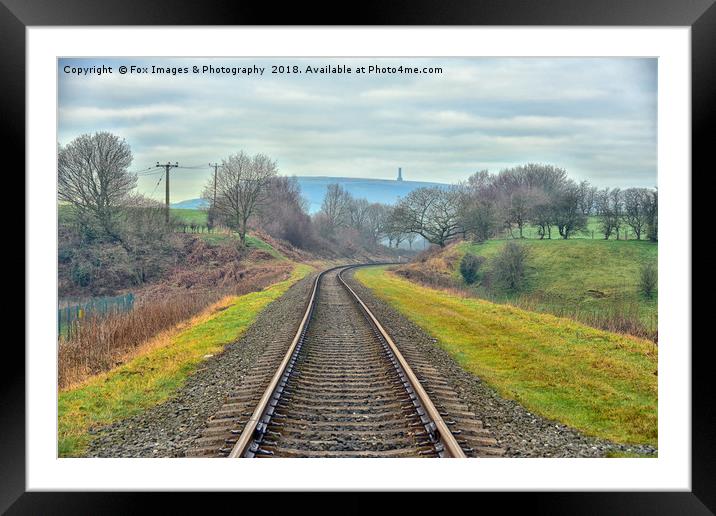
<point>544,215</point>
<point>617,207</point>
<point>636,209</point>
<point>477,206</point>
<point>92,176</point>
<point>376,220</point>
<point>604,212</point>
<point>242,188</point>
<point>568,215</point>
<point>517,207</point>
<point>520,191</point>
<point>336,208</point>
<point>479,219</point>
<point>652,214</point>
<point>587,196</point>
<point>358,213</point>
<point>609,207</point>
<point>432,213</point>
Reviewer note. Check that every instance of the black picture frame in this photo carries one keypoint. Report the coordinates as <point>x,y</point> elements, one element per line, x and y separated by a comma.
<point>700,15</point>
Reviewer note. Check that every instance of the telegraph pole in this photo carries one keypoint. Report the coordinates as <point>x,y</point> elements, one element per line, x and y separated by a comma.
<point>216,167</point>
<point>166,180</point>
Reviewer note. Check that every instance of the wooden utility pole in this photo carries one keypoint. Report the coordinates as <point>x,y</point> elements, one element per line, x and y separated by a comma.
<point>216,167</point>
<point>166,180</point>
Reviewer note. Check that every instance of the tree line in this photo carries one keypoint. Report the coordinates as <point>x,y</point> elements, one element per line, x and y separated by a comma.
<point>539,195</point>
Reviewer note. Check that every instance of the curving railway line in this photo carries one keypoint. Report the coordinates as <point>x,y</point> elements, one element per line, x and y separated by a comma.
<point>342,388</point>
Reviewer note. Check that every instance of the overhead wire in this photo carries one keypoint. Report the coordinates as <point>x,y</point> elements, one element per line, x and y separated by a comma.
<point>140,172</point>
<point>194,167</point>
<point>157,185</point>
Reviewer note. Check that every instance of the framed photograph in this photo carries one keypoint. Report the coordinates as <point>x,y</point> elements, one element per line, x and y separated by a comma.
<point>349,245</point>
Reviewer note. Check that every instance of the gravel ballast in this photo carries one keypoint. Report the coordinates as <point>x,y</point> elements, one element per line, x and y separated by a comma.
<point>168,429</point>
<point>520,432</point>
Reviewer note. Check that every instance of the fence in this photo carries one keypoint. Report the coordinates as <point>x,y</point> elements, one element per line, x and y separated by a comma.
<point>69,317</point>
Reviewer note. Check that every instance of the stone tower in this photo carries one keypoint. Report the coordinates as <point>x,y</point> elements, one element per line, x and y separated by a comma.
<point>400,174</point>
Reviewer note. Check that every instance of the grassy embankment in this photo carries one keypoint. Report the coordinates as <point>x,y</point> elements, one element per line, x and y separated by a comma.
<point>199,217</point>
<point>592,281</point>
<point>601,383</point>
<point>153,376</point>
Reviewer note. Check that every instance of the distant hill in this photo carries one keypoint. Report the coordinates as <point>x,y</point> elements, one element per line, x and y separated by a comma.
<point>313,190</point>
<point>190,204</point>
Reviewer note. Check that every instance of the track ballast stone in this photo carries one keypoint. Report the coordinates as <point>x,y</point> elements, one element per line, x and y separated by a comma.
<point>343,397</point>
<point>170,428</point>
<point>518,431</point>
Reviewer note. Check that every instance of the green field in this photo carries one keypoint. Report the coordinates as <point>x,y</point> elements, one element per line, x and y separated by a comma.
<point>154,376</point>
<point>591,232</point>
<point>188,216</point>
<point>601,383</point>
<point>589,278</point>
<point>64,211</point>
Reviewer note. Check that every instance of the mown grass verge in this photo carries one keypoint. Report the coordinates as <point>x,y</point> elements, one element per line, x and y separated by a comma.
<point>153,376</point>
<point>601,383</point>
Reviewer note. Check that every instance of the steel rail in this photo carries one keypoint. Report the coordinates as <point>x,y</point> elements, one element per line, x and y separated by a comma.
<point>438,426</point>
<point>247,445</point>
<point>252,425</point>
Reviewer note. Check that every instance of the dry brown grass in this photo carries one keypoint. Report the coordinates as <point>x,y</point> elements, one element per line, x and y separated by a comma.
<point>104,342</point>
<point>619,316</point>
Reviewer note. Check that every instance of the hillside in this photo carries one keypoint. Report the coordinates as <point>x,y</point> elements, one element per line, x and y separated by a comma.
<point>313,190</point>
<point>594,281</point>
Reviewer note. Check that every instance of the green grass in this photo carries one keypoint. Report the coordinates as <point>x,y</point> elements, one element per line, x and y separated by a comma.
<point>630,455</point>
<point>153,377</point>
<point>257,243</point>
<point>252,242</point>
<point>188,216</point>
<point>601,383</point>
<point>588,276</point>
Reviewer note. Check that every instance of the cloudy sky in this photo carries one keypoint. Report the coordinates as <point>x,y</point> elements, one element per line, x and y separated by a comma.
<point>594,117</point>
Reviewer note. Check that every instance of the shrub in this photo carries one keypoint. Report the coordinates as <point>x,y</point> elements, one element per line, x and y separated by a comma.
<point>81,274</point>
<point>648,279</point>
<point>509,266</point>
<point>470,267</point>
<point>64,255</point>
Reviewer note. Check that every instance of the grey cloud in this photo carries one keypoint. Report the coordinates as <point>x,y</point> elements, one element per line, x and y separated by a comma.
<point>595,117</point>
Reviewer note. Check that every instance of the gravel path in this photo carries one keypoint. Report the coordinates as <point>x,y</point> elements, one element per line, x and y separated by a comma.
<point>520,432</point>
<point>169,428</point>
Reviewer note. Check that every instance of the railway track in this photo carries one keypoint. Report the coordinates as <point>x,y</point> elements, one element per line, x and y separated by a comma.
<point>342,388</point>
